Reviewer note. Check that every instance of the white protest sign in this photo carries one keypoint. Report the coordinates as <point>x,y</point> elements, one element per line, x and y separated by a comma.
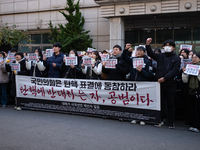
<point>49,52</point>
<point>162,51</point>
<point>32,57</point>
<point>79,53</point>
<point>186,61</point>
<point>11,57</point>
<point>138,62</point>
<point>192,70</point>
<point>71,60</point>
<point>89,50</point>
<point>189,47</point>
<point>87,61</point>
<point>104,57</point>
<point>1,60</point>
<point>15,67</point>
<point>111,63</point>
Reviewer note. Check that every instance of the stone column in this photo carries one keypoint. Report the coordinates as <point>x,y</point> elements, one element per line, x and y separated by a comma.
<point>116,31</point>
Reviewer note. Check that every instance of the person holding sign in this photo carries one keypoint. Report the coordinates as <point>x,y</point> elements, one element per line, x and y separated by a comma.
<point>141,69</point>
<point>168,65</point>
<point>36,68</point>
<point>193,93</point>
<point>53,63</point>
<point>94,71</point>
<point>121,68</point>
<point>3,80</point>
<point>72,70</point>
<point>17,67</point>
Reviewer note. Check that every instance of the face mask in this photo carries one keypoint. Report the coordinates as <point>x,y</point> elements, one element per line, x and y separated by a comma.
<point>168,49</point>
<point>71,55</point>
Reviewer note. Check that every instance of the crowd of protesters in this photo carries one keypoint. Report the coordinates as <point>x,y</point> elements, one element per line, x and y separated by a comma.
<point>180,92</point>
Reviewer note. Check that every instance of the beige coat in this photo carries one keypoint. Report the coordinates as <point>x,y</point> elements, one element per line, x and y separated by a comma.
<point>3,74</point>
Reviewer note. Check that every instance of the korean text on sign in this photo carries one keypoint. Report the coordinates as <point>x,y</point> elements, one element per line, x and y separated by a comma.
<point>138,62</point>
<point>189,47</point>
<point>87,61</point>
<point>11,57</point>
<point>192,70</point>
<point>71,60</point>
<point>104,57</point>
<point>15,67</point>
<point>32,57</point>
<point>111,63</point>
<point>49,52</point>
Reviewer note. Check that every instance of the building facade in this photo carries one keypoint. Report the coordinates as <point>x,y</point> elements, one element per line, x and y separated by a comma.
<point>110,21</point>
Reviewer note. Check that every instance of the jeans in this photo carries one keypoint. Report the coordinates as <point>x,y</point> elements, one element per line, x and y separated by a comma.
<point>3,96</point>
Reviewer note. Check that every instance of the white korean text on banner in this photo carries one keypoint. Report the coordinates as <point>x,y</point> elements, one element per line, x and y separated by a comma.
<point>138,62</point>
<point>87,61</point>
<point>15,67</point>
<point>71,60</point>
<point>11,57</point>
<point>192,70</point>
<point>49,52</point>
<point>32,57</point>
<point>189,47</point>
<point>111,63</point>
<point>104,57</point>
<point>118,99</point>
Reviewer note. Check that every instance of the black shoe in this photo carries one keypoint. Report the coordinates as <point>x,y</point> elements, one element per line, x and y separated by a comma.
<point>172,126</point>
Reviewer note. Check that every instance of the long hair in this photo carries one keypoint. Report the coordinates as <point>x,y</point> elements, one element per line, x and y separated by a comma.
<point>98,56</point>
<point>40,53</point>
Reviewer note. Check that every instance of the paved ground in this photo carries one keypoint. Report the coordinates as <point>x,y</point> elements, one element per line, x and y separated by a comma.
<point>36,130</point>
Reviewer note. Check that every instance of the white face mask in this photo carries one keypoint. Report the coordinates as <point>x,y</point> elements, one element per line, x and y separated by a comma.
<point>71,55</point>
<point>168,49</point>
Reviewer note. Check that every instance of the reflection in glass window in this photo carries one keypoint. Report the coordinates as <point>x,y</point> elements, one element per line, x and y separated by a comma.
<point>163,34</point>
<point>146,33</point>
<point>36,38</point>
<point>182,35</point>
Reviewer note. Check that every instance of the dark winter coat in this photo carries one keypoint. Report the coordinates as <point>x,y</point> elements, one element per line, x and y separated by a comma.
<point>23,71</point>
<point>54,72</point>
<point>122,68</point>
<point>168,65</point>
<point>145,75</point>
<point>68,72</point>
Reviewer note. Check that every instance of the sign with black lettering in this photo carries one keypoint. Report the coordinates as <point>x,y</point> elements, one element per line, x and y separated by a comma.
<point>71,60</point>
<point>111,63</point>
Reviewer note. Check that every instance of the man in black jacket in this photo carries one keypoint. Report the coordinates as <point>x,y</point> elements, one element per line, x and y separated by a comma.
<point>122,67</point>
<point>168,65</point>
<point>140,73</point>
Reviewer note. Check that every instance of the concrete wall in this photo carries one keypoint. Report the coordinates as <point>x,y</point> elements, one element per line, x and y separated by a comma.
<point>28,14</point>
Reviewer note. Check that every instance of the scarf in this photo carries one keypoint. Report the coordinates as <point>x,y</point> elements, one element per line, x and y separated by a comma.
<point>117,56</point>
<point>194,83</point>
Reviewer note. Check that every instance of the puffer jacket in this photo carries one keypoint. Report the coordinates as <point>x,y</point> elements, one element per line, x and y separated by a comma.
<point>168,65</point>
<point>3,74</point>
<point>54,72</point>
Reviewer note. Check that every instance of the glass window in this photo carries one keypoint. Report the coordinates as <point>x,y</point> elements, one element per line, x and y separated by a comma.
<point>131,36</point>
<point>36,38</point>
<point>163,34</point>
<point>25,49</point>
<point>196,35</point>
<point>45,38</point>
<point>47,47</point>
<point>182,35</point>
<point>197,49</point>
<point>144,34</point>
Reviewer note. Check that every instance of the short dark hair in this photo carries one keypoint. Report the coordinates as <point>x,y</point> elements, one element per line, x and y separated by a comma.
<point>157,50</point>
<point>57,44</point>
<point>197,54</point>
<point>2,53</point>
<point>117,46</point>
<point>13,50</point>
<point>185,50</point>
<point>141,48</point>
<point>19,53</point>
<point>171,43</point>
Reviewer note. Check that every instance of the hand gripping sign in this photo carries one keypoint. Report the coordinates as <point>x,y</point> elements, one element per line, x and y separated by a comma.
<point>71,60</point>
<point>192,70</point>
<point>111,63</point>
